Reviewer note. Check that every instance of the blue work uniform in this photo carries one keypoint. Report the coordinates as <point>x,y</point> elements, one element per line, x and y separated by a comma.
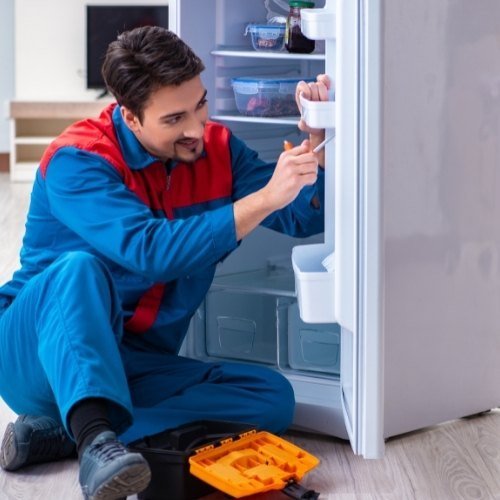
<point>119,252</point>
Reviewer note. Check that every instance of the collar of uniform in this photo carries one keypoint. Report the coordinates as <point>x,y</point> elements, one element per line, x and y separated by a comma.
<point>133,151</point>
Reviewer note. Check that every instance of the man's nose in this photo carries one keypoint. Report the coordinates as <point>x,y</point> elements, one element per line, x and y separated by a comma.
<point>194,127</point>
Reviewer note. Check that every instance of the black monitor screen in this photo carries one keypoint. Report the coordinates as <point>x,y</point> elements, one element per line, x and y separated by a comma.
<point>106,22</point>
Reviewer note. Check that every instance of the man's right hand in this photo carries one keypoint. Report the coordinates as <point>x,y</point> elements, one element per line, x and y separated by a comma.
<point>295,169</point>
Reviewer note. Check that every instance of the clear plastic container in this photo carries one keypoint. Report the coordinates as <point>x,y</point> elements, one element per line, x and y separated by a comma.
<point>266,97</point>
<point>267,37</point>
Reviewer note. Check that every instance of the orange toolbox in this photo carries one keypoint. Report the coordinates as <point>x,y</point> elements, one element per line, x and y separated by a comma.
<point>233,458</point>
<point>255,462</point>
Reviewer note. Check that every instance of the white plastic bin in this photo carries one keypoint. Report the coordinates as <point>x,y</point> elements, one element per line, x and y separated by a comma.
<point>314,285</point>
<point>318,24</point>
<point>318,114</point>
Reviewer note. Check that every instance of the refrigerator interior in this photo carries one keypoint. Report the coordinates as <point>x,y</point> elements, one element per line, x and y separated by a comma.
<point>251,313</point>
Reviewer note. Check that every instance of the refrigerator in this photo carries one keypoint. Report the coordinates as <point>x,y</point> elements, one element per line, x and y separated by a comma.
<point>389,321</point>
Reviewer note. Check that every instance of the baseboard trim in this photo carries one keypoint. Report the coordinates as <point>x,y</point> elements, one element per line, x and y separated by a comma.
<point>4,162</point>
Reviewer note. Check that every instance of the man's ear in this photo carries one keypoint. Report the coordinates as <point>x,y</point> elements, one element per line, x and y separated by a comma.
<point>130,119</point>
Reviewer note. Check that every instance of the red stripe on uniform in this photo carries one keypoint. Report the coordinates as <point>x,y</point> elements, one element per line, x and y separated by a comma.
<point>146,310</point>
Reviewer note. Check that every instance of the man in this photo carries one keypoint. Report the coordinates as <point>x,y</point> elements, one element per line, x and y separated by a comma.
<point>130,214</point>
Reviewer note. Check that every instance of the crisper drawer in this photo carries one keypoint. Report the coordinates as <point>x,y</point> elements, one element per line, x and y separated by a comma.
<point>312,346</point>
<point>266,328</point>
<point>245,326</point>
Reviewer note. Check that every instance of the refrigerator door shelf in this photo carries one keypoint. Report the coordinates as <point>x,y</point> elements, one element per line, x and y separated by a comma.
<point>318,24</point>
<point>318,114</point>
<point>313,283</point>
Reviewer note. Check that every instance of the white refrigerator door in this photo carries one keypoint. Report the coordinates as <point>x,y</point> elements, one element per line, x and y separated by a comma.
<point>440,210</point>
<point>417,243</point>
<point>357,297</point>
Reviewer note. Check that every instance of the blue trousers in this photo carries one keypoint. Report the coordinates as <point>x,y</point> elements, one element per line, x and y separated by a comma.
<point>61,341</point>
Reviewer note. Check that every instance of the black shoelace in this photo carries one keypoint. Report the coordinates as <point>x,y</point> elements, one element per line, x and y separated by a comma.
<point>107,451</point>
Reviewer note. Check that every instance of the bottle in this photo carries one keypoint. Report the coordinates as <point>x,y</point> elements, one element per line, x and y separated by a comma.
<point>295,41</point>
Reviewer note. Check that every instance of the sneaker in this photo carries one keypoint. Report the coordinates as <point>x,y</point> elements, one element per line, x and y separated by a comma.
<point>108,471</point>
<point>32,440</point>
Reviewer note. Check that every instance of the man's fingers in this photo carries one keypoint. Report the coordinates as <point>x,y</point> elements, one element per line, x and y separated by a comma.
<point>302,148</point>
<point>322,92</point>
<point>324,80</point>
<point>309,179</point>
<point>314,91</point>
<point>305,165</point>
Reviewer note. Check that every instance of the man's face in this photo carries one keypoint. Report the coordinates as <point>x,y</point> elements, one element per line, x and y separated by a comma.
<point>173,121</point>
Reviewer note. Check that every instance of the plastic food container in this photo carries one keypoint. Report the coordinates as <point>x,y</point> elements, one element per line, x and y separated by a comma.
<point>266,97</point>
<point>267,37</point>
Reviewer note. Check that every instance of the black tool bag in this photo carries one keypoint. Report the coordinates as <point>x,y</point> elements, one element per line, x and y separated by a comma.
<point>168,455</point>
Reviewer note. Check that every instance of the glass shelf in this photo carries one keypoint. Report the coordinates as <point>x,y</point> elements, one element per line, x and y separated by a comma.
<point>244,52</point>
<point>282,120</point>
<point>263,281</point>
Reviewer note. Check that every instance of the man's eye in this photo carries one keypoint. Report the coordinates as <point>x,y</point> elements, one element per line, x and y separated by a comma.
<point>202,103</point>
<point>173,120</point>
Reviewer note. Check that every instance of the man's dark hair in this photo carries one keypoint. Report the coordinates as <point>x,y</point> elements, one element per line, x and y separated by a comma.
<point>142,60</point>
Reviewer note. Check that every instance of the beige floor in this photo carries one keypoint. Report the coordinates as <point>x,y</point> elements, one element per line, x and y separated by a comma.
<point>453,461</point>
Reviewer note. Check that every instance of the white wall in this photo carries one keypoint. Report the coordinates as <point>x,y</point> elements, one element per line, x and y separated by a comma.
<point>7,65</point>
<point>50,47</point>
